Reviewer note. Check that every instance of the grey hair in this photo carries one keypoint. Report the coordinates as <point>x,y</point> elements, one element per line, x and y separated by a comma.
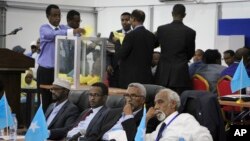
<point>172,95</point>
<point>140,87</point>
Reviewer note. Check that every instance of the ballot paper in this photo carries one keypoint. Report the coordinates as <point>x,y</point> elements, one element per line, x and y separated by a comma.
<point>118,135</point>
<point>118,35</point>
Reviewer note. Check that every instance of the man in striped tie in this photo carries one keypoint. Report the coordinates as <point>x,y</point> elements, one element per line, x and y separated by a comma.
<point>174,126</point>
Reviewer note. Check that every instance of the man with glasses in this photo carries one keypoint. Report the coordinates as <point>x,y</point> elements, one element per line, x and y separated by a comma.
<point>88,119</point>
<point>124,119</point>
<point>61,114</point>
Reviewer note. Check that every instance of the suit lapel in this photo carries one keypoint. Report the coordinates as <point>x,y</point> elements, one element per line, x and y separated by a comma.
<point>49,110</point>
<point>96,117</point>
<point>138,117</point>
<point>60,112</point>
<point>115,116</point>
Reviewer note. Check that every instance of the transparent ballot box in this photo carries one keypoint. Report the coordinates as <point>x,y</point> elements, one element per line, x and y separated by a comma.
<point>80,60</point>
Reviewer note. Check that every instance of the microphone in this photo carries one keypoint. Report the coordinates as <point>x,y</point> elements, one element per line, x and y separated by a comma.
<point>15,31</point>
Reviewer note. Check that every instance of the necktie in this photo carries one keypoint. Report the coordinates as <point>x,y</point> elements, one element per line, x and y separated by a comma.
<point>56,28</point>
<point>83,117</point>
<point>160,131</point>
<point>86,114</point>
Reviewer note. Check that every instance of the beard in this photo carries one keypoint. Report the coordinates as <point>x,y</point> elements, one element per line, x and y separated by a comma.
<point>160,115</point>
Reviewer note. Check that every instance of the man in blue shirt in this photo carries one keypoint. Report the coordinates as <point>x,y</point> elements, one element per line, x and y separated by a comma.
<point>46,60</point>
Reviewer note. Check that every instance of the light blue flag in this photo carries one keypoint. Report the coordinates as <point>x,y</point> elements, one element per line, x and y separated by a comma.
<point>6,118</point>
<point>141,130</point>
<point>38,130</point>
<point>240,79</point>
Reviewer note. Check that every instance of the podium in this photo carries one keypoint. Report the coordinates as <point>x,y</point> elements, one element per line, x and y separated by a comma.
<point>12,64</point>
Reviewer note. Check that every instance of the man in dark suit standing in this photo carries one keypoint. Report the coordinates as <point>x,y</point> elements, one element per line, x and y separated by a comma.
<point>112,60</point>
<point>135,55</point>
<point>177,43</point>
<point>61,114</point>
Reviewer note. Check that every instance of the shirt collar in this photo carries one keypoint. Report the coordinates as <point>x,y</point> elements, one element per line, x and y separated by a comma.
<point>61,104</point>
<point>95,110</point>
<point>170,117</point>
<point>53,27</point>
<point>123,31</point>
<point>138,26</point>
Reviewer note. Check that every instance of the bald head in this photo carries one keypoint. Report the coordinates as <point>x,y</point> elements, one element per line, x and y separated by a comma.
<point>242,52</point>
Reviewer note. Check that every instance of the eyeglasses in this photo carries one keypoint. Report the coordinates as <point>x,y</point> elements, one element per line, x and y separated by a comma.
<point>132,95</point>
<point>95,94</point>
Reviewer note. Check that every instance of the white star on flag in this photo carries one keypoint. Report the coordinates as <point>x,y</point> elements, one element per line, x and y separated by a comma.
<point>34,126</point>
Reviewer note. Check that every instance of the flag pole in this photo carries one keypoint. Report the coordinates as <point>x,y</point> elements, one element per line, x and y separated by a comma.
<point>240,100</point>
<point>6,114</point>
<point>41,101</point>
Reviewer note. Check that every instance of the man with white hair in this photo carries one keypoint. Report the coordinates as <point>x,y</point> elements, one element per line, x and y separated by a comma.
<point>174,126</point>
<point>61,114</point>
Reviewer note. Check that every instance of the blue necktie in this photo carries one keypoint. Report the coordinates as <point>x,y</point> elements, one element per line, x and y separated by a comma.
<point>160,131</point>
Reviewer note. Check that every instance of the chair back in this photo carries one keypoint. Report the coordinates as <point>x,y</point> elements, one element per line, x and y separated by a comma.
<point>224,88</point>
<point>204,106</point>
<point>115,101</point>
<point>79,98</point>
<point>200,83</point>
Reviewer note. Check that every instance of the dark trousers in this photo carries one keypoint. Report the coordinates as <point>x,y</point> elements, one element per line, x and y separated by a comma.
<point>114,78</point>
<point>45,76</point>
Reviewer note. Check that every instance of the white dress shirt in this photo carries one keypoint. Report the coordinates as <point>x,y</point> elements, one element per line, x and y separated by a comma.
<point>56,109</point>
<point>183,126</point>
<point>83,125</point>
<point>118,125</point>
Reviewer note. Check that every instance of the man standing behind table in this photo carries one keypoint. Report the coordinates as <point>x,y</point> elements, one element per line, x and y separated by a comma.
<point>112,61</point>
<point>177,43</point>
<point>46,60</point>
<point>135,55</point>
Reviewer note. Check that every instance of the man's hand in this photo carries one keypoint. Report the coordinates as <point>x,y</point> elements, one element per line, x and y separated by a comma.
<point>114,39</point>
<point>79,31</point>
<point>110,69</point>
<point>128,109</point>
<point>150,113</point>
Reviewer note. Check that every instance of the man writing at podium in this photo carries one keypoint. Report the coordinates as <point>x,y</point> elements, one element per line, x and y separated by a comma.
<point>46,60</point>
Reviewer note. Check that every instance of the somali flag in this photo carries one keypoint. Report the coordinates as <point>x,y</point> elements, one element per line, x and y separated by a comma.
<point>38,130</point>
<point>6,118</point>
<point>240,79</point>
<point>141,130</point>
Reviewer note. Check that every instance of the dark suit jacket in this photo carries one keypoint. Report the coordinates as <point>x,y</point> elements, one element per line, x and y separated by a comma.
<point>204,106</point>
<point>110,119</point>
<point>135,57</point>
<point>60,125</point>
<point>177,43</point>
<point>93,122</point>
<point>112,60</point>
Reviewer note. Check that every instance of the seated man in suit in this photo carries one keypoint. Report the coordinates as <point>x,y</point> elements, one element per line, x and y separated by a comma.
<point>174,126</point>
<point>239,54</point>
<point>211,69</point>
<point>61,114</point>
<point>126,118</point>
<point>88,119</point>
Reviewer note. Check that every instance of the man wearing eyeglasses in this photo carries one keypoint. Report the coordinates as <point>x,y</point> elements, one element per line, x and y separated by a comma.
<point>124,119</point>
<point>88,118</point>
<point>61,114</point>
